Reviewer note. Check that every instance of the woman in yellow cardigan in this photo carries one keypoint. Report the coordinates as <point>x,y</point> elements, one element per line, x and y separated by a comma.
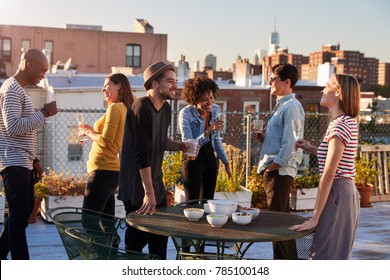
<point>106,135</point>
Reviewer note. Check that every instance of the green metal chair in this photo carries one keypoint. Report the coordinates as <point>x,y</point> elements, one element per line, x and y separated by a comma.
<point>73,217</point>
<point>92,245</point>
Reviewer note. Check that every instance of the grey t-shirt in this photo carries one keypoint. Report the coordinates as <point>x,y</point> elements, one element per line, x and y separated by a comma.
<point>144,143</point>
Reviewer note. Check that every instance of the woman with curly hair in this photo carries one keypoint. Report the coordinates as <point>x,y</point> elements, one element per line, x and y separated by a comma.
<point>198,120</point>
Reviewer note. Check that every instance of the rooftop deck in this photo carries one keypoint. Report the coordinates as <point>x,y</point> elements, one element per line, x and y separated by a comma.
<point>372,238</point>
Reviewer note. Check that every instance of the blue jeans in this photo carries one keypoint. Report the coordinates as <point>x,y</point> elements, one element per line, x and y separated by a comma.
<point>19,191</point>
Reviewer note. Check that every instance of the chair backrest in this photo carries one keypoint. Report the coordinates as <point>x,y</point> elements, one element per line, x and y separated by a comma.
<point>303,246</point>
<point>95,245</point>
<point>73,217</point>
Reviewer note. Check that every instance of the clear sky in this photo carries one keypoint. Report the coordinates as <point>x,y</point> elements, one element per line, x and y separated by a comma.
<point>224,28</point>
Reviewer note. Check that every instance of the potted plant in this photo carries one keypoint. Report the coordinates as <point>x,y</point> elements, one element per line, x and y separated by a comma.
<point>60,189</point>
<point>171,168</point>
<point>304,190</point>
<point>40,192</point>
<point>232,189</point>
<point>366,173</point>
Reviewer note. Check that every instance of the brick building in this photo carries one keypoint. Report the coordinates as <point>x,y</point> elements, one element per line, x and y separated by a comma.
<point>92,50</point>
<point>365,69</point>
<point>384,74</point>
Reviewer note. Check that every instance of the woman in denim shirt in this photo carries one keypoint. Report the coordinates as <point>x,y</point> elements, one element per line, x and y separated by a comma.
<point>198,120</point>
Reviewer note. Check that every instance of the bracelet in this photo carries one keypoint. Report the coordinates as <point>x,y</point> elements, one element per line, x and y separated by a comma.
<point>44,110</point>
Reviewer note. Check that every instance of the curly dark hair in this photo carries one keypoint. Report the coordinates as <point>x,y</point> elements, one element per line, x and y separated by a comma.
<point>194,88</point>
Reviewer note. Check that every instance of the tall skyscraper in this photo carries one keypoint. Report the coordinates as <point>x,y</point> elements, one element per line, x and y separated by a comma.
<point>274,43</point>
<point>210,62</point>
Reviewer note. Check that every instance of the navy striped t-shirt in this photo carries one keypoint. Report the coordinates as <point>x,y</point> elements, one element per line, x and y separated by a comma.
<point>345,128</point>
<point>18,124</point>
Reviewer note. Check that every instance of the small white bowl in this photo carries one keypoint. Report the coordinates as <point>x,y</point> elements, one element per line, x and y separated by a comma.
<point>193,214</point>
<point>217,220</point>
<point>242,218</point>
<point>223,207</point>
<point>206,208</point>
<point>254,211</point>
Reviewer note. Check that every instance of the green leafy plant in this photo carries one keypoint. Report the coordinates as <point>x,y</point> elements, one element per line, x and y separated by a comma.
<point>366,171</point>
<point>171,168</point>
<point>236,160</point>
<point>256,186</point>
<point>308,180</point>
<point>59,184</point>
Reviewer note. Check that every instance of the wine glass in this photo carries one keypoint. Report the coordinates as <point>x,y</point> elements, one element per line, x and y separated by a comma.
<point>297,132</point>
<point>222,117</point>
<point>80,120</point>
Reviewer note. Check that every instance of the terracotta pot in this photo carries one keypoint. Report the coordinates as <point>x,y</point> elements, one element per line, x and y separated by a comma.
<point>170,197</point>
<point>365,194</point>
<point>37,206</point>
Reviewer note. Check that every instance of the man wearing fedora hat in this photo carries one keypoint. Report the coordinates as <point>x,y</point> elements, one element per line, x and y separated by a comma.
<point>145,140</point>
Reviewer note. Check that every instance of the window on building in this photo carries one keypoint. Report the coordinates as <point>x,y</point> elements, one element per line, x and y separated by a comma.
<point>75,149</point>
<point>133,55</point>
<point>49,47</point>
<point>250,107</point>
<point>26,44</point>
<point>5,49</point>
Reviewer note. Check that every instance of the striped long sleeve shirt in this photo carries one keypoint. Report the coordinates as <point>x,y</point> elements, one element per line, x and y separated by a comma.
<point>18,124</point>
<point>344,127</point>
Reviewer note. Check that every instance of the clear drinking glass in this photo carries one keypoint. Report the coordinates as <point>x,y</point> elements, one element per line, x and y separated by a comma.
<point>222,117</point>
<point>193,149</point>
<point>258,126</point>
<point>80,120</point>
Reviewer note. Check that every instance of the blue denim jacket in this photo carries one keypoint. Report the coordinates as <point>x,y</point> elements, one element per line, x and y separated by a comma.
<point>192,126</point>
<point>278,144</point>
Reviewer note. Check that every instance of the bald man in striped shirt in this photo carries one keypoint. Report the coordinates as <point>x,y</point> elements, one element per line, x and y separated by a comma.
<point>19,167</point>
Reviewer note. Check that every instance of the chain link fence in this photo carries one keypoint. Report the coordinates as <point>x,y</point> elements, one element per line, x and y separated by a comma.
<point>58,147</point>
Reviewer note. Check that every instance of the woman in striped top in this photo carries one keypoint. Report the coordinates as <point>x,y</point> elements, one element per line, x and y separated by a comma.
<point>336,211</point>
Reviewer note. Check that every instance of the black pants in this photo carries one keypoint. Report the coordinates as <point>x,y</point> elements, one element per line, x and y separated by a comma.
<point>99,194</point>
<point>19,191</point>
<point>277,188</point>
<point>200,173</point>
<point>136,240</point>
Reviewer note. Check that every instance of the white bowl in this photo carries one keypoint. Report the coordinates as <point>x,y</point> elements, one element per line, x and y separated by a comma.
<point>193,214</point>
<point>223,207</point>
<point>206,208</point>
<point>216,220</point>
<point>254,211</point>
<point>242,218</point>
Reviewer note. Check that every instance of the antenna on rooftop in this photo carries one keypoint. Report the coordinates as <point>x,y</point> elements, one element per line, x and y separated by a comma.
<point>67,68</point>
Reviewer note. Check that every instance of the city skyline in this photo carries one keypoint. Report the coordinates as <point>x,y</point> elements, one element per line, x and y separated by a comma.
<point>225,28</point>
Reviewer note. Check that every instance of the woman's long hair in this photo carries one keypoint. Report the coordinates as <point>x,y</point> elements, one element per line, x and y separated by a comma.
<point>125,94</point>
